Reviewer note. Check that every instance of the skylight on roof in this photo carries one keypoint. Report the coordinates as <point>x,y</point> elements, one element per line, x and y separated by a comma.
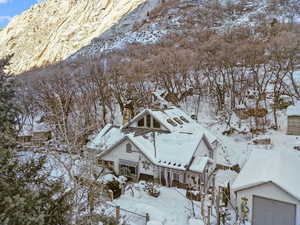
<point>178,120</point>
<point>184,119</point>
<point>172,122</point>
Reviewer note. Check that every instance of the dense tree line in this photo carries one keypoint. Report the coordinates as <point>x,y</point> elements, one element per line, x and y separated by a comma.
<point>30,194</point>
<point>245,68</point>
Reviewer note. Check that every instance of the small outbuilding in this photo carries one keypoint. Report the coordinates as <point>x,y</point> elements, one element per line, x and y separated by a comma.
<point>269,188</point>
<point>293,117</point>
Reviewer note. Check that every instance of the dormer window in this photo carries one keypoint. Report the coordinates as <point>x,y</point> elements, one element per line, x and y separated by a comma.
<point>148,122</point>
<point>128,148</point>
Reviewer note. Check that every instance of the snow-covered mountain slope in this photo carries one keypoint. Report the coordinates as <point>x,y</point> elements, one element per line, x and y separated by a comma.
<point>53,30</point>
<point>187,17</point>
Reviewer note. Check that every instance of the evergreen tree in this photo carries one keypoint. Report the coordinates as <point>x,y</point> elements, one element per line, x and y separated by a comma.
<point>28,194</point>
<point>8,109</point>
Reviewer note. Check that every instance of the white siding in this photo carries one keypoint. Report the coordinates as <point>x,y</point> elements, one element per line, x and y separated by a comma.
<point>267,190</point>
<point>202,149</point>
<point>119,152</point>
<point>142,169</point>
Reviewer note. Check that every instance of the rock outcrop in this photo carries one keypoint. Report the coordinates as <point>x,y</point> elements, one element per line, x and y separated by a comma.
<point>53,30</point>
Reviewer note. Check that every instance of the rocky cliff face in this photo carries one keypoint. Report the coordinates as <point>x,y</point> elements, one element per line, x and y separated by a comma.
<point>53,30</point>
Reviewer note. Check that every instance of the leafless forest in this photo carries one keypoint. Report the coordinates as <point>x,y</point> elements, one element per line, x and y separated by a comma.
<point>247,69</point>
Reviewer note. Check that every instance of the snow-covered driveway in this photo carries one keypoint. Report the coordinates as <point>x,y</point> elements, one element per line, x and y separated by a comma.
<point>170,208</point>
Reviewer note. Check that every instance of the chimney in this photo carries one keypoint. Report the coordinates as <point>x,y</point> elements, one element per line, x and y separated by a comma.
<point>194,117</point>
<point>126,115</point>
<point>128,112</point>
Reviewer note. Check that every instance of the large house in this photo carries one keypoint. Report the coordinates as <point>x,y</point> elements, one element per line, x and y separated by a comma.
<point>163,145</point>
<point>270,184</point>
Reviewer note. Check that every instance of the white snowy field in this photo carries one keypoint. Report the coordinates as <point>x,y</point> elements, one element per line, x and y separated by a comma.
<point>237,147</point>
<point>171,207</point>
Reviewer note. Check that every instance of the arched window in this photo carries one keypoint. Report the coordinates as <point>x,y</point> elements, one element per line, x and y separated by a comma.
<point>128,148</point>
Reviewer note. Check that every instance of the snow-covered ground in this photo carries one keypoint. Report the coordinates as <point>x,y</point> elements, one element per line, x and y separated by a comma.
<point>237,147</point>
<point>170,208</point>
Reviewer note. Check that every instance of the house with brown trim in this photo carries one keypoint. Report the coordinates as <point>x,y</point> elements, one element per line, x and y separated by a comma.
<point>161,144</point>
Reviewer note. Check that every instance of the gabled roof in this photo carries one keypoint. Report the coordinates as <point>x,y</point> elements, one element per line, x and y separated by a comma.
<point>173,149</point>
<point>278,167</point>
<point>293,110</point>
<point>163,115</point>
<point>170,150</point>
<point>107,137</point>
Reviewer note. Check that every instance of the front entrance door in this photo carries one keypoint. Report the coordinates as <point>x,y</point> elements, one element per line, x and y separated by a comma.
<point>128,169</point>
<point>169,178</point>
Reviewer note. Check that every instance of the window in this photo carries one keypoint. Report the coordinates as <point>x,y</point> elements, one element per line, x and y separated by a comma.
<point>184,119</point>
<point>141,123</point>
<point>148,120</point>
<point>172,122</point>
<point>100,161</point>
<point>129,171</point>
<point>108,164</point>
<point>128,148</point>
<point>128,168</point>
<point>178,120</point>
<point>176,177</point>
<point>194,179</point>
<point>156,124</point>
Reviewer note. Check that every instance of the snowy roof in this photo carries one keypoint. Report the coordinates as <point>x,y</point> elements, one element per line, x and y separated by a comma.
<point>107,137</point>
<point>223,177</point>
<point>165,115</point>
<point>297,77</point>
<point>170,149</point>
<point>278,167</point>
<point>30,127</point>
<point>293,110</point>
<point>153,222</point>
<point>173,149</point>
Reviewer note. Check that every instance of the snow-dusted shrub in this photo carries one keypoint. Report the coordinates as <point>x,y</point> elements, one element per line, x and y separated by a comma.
<point>152,189</point>
<point>115,187</point>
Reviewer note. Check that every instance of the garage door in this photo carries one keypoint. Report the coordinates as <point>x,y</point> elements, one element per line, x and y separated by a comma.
<point>271,212</point>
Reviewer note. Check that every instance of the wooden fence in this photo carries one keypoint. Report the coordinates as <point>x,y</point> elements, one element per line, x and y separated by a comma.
<point>128,215</point>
